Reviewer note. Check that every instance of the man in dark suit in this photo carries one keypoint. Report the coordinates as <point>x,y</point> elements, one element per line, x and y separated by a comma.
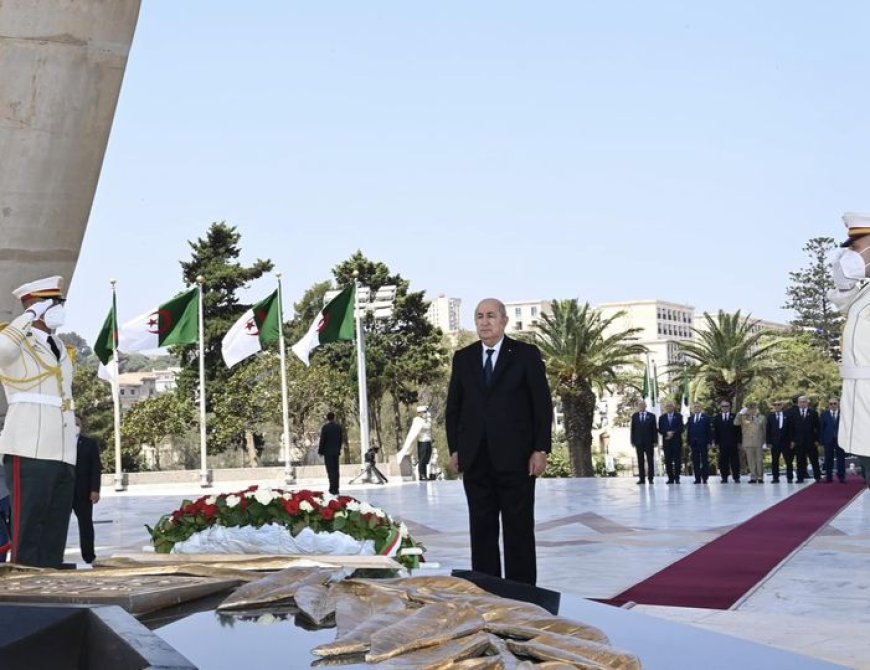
<point>499,418</point>
<point>804,435</point>
<point>699,434</point>
<point>828,436</point>
<point>330,448</point>
<point>727,437</point>
<point>671,430</point>
<point>644,438</point>
<point>87,490</point>
<point>778,424</point>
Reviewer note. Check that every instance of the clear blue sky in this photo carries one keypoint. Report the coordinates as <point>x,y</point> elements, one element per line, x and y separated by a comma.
<point>605,151</point>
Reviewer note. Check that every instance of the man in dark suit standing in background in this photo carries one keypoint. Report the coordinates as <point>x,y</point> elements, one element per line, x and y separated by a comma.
<point>699,434</point>
<point>828,436</point>
<point>644,438</point>
<point>779,442</point>
<point>671,430</point>
<point>330,448</point>
<point>727,437</point>
<point>804,435</point>
<point>87,490</point>
<point>499,419</point>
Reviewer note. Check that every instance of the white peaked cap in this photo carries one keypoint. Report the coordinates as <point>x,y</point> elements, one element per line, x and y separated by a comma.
<point>50,287</point>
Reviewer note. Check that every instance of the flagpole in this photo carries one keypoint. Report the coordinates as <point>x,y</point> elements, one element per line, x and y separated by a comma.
<point>289,471</point>
<point>203,473</point>
<point>364,441</point>
<point>116,400</point>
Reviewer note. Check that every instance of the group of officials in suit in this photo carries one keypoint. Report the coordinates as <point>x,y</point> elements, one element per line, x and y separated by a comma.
<point>792,434</point>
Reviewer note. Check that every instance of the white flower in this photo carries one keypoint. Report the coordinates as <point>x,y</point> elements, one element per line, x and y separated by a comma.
<point>379,513</point>
<point>233,500</point>
<point>403,530</point>
<point>265,496</point>
<point>306,506</point>
<point>318,501</point>
<point>353,506</point>
<point>365,508</point>
<point>340,515</point>
<point>287,496</point>
<point>211,500</point>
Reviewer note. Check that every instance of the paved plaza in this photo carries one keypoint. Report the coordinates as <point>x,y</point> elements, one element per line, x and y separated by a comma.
<point>596,537</point>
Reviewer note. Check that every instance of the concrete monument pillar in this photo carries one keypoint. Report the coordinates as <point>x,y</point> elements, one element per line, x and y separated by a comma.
<point>61,66</point>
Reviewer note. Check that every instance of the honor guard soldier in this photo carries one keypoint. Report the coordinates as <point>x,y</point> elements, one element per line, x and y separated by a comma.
<point>851,295</point>
<point>38,441</point>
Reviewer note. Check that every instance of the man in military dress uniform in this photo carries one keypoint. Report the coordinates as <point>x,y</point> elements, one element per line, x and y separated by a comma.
<point>851,295</point>
<point>38,441</point>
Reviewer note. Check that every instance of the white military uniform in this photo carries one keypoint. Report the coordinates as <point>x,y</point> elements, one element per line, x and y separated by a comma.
<point>39,422</point>
<point>854,435</point>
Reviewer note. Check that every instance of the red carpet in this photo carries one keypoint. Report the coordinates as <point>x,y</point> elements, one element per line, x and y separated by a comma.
<point>718,574</point>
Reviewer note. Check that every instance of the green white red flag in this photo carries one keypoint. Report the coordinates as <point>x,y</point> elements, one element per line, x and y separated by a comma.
<point>107,341</point>
<point>254,329</point>
<point>334,323</point>
<point>174,322</point>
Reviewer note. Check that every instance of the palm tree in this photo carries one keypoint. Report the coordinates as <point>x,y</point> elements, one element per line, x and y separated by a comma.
<point>729,354</point>
<point>581,358</point>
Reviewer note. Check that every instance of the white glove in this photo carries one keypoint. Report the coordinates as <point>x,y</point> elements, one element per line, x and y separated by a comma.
<point>40,308</point>
<point>743,410</point>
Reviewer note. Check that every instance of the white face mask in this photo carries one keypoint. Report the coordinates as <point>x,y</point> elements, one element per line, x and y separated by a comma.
<point>848,268</point>
<point>54,317</point>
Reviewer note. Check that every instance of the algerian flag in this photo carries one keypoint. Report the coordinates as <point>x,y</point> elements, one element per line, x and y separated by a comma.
<point>175,322</point>
<point>333,324</point>
<point>107,342</point>
<point>651,389</point>
<point>256,327</point>
<point>685,410</point>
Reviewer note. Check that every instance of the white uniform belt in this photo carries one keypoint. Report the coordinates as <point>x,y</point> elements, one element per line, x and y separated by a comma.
<point>41,399</point>
<point>855,372</point>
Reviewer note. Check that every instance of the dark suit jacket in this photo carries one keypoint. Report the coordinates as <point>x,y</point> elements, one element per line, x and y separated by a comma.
<point>644,434</point>
<point>513,416</point>
<point>725,433</point>
<point>88,468</point>
<point>804,432</point>
<point>776,437</point>
<point>676,425</point>
<point>699,433</point>
<point>330,439</point>
<point>829,428</point>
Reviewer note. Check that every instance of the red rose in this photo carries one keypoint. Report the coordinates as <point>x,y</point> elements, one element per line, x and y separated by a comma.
<point>335,505</point>
<point>291,507</point>
<point>327,514</point>
<point>210,511</point>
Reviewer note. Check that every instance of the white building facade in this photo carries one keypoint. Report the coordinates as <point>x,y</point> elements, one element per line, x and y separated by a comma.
<point>524,317</point>
<point>445,313</point>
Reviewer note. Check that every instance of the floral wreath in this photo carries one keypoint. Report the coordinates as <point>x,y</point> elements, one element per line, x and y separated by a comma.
<point>295,511</point>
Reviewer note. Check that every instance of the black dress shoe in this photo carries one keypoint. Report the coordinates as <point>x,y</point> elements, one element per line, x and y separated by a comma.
<point>639,481</point>
<point>670,481</point>
<point>677,480</point>
<point>775,480</point>
<point>725,480</point>
<point>697,481</point>
<point>705,480</point>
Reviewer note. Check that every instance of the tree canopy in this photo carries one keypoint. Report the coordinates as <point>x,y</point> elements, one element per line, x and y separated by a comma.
<point>807,295</point>
<point>583,354</point>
